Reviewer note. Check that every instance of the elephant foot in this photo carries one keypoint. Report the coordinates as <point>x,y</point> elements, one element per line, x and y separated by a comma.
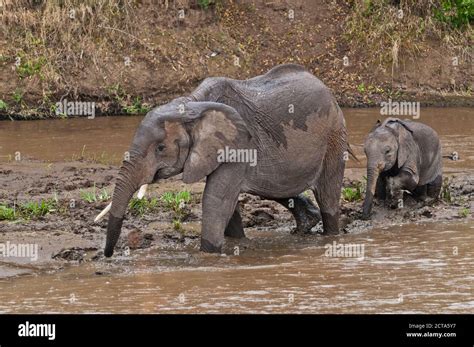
<point>429,201</point>
<point>235,247</point>
<point>304,226</point>
<point>208,247</point>
<point>304,212</point>
<point>235,228</point>
<point>365,216</point>
<point>306,219</point>
<point>330,224</point>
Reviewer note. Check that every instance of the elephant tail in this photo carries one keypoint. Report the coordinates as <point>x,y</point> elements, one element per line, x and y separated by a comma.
<point>351,152</point>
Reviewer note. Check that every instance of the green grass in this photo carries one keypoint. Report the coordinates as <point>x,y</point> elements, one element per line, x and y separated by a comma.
<point>7,213</point>
<point>30,67</point>
<point>18,96</point>
<point>136,107</point>
<point>3,105</point>
<point>464,212</point>
<point>446,191</point>
<point>94,195</point>
<point>37,209</point>
<point>173,201</point>
<point>456,13</point>
<point>177,225</point>
<point>141,206</point>
<point>205,4</point>
<point>28,210</point>
<point>351,194</point>
<point>176,201</point>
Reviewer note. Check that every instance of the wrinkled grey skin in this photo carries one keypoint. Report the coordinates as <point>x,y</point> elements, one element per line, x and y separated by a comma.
<point>402,155</point>
<point>287,115</point>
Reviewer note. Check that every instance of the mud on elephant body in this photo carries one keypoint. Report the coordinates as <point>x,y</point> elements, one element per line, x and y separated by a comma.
<point>402,155</point>
<point>287,116</point>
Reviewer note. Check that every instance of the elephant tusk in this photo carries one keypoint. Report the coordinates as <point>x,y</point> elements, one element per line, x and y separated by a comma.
<point>103,213</point>
<point>141,193</point>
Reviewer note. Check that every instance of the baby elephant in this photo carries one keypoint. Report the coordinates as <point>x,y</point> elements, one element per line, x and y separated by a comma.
<point>402,155</point>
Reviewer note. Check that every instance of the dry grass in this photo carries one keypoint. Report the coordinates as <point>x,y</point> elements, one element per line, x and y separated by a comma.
<point>82,58</point>
<point>64,32</point>
<point>56,40</point>
<point>388,29</point>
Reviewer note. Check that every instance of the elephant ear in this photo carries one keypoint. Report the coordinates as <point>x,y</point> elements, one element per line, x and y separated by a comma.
<point>406,143</point>
<point>377,124</point>
<point>213,127</point>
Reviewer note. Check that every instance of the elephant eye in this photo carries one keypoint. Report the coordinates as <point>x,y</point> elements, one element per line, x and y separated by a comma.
<point>160,147</point>
<point>387,150</point>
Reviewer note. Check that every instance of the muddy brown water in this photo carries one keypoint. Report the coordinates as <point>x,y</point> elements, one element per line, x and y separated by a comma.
<point>419,268</point>
<point>107,138</point>
<point>410,268</point>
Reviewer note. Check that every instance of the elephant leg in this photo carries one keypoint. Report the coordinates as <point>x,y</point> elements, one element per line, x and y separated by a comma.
<point>235,229</point>
<point>420,192</point>
<point>434,188</point>
<point>219,201</point>
<point>381,188</point>
<point>399,183</point>
<point>303,210</point>
<point>327,190</point>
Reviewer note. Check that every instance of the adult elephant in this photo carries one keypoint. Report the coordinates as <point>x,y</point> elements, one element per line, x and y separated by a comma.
<point>286,117</point>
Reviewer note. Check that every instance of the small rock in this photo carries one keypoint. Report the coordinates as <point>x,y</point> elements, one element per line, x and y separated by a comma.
<point>74,254</point>
<point>261,216</point>
<point>427,214</point>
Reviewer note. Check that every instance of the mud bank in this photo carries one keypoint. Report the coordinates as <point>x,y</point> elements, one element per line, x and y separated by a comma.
<point>68,235</point>
<point>145,55</point>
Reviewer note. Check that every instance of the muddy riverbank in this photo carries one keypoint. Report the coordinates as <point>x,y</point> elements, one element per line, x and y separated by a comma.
<point>127,57</point>
<point>417,258</point>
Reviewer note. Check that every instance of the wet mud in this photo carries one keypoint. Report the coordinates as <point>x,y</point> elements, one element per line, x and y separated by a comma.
<point>416,258</point>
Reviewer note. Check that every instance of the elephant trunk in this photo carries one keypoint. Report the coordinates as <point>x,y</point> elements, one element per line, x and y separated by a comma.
<point>373,172</point>
<point>127,184</point>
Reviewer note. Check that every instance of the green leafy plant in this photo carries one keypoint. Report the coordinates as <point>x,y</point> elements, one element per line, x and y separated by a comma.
<point>141,206</point>
<point>456,13</point>
<point>37,209</point>
<point>136,107</point>
<point>446,191</point>
<point>204,4</point>
<point>177,225</point>
<point>94,195</point>
<point>18,96</point>
<point>116,92</point>
<point>354,193</point>
<point>7,213</point>
<point>30,67</point>
<point>176,201</point>
<point>464,212</point>
<point>3,105</point>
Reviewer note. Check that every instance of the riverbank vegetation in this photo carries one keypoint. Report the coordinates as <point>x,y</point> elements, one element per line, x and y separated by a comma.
<point>127,56</point>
